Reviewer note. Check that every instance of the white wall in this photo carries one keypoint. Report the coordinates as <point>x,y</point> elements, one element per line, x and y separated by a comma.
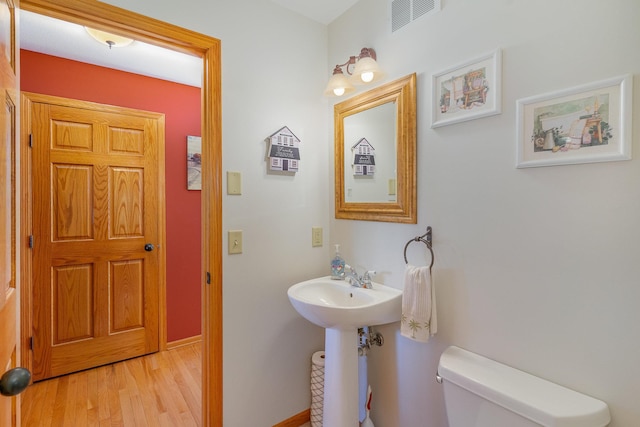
<point>273,74</point>
<point>536,268</point>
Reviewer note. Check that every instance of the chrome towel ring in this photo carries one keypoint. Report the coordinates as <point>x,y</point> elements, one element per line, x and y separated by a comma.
<point>427,239</point>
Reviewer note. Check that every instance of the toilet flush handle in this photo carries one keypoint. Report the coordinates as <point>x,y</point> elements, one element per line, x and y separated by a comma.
<point>438,378</point>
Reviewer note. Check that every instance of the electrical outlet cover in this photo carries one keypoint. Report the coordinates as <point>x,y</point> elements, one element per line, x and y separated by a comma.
<point>316,236</point>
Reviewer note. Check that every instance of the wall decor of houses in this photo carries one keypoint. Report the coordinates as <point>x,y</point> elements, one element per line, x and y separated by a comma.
<point>194,163</point>
<point>364,158</point>
<point>284,151</point>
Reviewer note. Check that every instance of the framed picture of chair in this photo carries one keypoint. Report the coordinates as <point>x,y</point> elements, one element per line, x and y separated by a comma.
<point>467,91</point>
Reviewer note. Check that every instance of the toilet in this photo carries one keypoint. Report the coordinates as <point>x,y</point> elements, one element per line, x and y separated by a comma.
<point>481,392</point>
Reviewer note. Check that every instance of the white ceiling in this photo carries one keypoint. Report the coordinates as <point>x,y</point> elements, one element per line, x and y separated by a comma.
<point>50,36</point>
<point>63,39</point>
<point>323,11</point>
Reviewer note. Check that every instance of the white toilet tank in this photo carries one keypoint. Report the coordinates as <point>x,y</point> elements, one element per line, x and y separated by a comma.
<point>481,392</point>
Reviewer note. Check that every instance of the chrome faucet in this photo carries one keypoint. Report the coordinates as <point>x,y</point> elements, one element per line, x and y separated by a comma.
<point>356,280</point>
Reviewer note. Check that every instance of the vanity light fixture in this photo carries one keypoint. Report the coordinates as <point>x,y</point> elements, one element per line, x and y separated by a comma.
<point>366,70</point>
<point>111,40</point>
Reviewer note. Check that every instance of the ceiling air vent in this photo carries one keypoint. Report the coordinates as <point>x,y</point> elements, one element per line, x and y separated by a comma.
<point>405,11</point>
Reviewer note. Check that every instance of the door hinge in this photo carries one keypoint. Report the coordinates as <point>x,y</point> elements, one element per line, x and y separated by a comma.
<point>208,278</point>
<point>31,241</point>
<point>31,343</point>
<point>31,140</point>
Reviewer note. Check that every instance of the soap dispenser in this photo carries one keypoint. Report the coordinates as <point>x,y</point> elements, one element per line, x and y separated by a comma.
<point>337,265</point>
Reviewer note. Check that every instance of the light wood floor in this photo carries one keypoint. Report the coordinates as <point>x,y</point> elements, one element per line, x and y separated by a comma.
<point>162,389</point>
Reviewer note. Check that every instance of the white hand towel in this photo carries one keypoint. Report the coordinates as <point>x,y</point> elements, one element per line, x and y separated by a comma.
<point>419,320</point>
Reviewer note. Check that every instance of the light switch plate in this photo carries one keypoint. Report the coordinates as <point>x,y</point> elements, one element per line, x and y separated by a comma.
<point>316,236</point>
<point>392,187</point>
<point>235,241</point>
<point>234,183</point>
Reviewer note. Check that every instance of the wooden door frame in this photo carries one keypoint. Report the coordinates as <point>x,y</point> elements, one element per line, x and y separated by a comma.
<point>110,18</point>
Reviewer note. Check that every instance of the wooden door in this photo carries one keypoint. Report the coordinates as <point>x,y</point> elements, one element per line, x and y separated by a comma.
<point>96,210</point>
<point>9,406</point>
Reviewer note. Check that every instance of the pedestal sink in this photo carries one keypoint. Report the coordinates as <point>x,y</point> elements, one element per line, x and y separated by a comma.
<point>341,309</point>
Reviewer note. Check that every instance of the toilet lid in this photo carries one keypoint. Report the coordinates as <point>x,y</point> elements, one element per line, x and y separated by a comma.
<point>539,400</point>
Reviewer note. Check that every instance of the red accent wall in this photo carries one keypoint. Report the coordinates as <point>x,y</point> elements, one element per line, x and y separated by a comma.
<point>51,75</point>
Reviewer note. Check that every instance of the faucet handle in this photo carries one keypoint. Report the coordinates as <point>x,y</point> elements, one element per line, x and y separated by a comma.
<point>368,274</point>
<point>366,278</point>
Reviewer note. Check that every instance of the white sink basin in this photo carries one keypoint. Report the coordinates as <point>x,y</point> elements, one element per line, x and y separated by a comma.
<point>335,304</point>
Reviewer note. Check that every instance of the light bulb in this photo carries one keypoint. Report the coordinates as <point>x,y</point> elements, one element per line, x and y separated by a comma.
<point>338,84</point>
<point>366,76</point>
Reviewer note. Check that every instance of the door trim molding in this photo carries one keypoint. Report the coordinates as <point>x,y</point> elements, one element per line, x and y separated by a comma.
<point>110,18</point>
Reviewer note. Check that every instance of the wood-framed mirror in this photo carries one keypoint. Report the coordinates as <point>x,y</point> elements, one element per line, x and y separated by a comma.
<point>375,154</point>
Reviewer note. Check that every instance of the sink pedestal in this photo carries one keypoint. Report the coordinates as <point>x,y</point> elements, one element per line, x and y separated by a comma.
<point>340,378</point>
<point>341,309</point>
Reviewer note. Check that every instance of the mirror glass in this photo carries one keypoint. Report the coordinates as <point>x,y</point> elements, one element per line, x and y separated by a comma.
<point>375,143</point>
<point>370,155</point>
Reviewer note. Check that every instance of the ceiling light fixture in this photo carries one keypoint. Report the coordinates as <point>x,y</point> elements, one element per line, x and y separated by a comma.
<point>111,40</point>
<point>366,70</point>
